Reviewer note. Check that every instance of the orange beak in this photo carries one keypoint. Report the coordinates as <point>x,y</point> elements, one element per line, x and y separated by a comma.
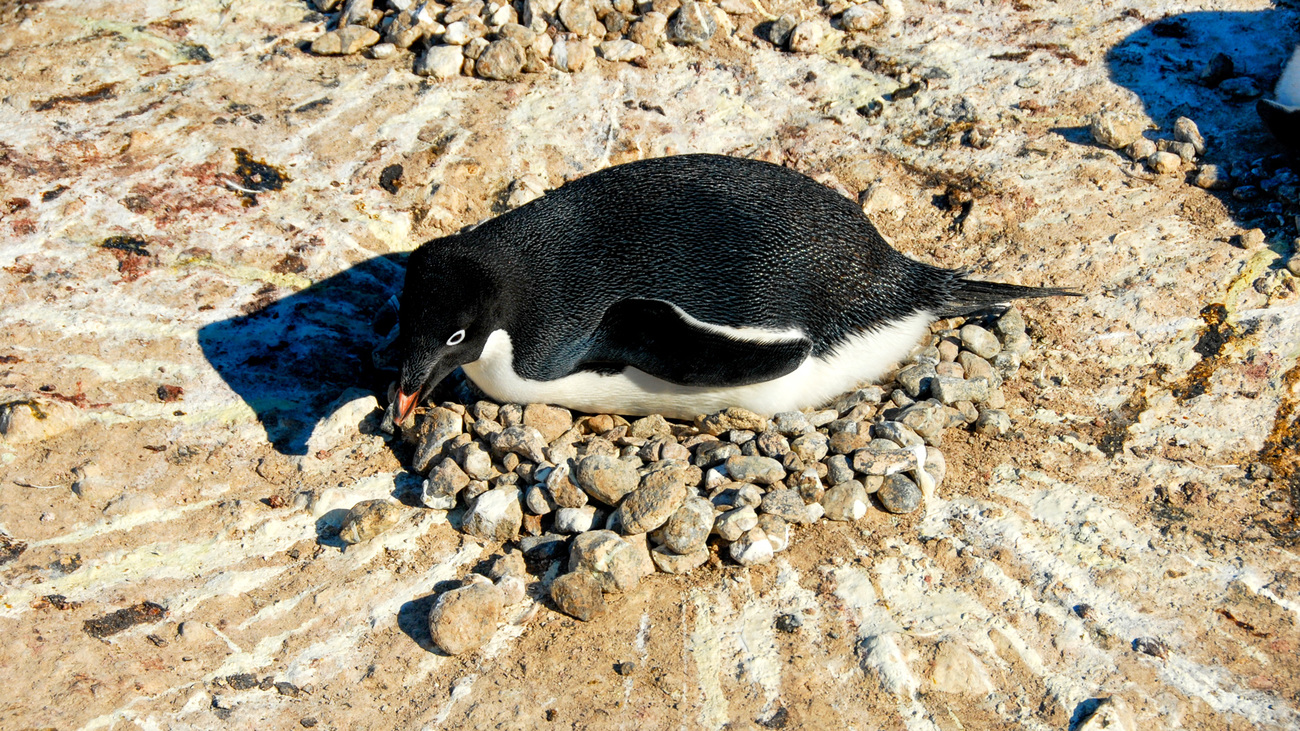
<point>406,404</point>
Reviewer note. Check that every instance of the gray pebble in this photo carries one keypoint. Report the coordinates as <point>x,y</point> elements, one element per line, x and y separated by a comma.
<point>511,415</point>
<point>1117,130</point>
<point>899,495</point>
<point>524,441</point>
<point>897,433</point>
<point>779,32</point>
<point>777,530</point>
<point>564,491</point>
<point>785,504</point>
<point>916,379</point>
<point>693,23</point>
<point>1165,163</point>
<point>791,423</point>
<point>926,418</point>
<point>807,36</point>
<point>838,469</point>
<point>689,527</point>
<point>476,462</point>
<point>809,485</point>
<point>810,447</point>
<point>438,427</point>
<point>1141,149</point>
<point>979,341</point>
<point>714,453</point>
<point>545,546</point>
<point>953,390</point>
<point>872,462</point>
<point>759,470</point>
<point>649,427</point>
<point>772,445</point>
<point>1241,87</point>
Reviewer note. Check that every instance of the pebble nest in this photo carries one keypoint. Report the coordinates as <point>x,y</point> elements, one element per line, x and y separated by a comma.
<point>615,500</point>
<point>503,41</point>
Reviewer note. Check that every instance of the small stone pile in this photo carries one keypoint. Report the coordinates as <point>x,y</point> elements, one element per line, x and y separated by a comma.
<point>502,41</point>
<point>621,499</point>
<point>1123,131</point>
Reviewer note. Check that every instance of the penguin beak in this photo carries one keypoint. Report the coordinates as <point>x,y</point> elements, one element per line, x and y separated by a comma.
<point>406,404</point>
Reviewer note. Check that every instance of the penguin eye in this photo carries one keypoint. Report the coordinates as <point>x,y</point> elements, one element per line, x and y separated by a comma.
<point>456,337</point>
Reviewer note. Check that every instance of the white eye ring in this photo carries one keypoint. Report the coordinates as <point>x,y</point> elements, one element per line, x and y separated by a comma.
<point>456,337</point>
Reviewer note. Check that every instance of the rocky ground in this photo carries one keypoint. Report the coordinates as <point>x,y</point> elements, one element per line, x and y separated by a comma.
<point>201,219</point>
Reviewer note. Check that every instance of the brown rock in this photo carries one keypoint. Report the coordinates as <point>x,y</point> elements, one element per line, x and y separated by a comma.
<point>578,595</point>
<point>345,41</point>
<point>368,519</point>
<point>551,421</point>
<point>464,619</point>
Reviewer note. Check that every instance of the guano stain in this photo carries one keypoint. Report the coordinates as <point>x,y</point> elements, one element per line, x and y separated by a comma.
<point>256,176</point>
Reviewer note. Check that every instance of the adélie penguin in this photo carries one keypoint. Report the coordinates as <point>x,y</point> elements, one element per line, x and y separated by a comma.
<point>1281,114</point>
<point>678,286</point>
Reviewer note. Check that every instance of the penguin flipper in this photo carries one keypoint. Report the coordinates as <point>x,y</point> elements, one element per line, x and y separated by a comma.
<point>657,338</point>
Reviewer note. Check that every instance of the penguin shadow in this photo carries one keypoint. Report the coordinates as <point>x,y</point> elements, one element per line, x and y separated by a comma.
<point>413,617</point>
<point>1212,67</point>
<point>289,359</point>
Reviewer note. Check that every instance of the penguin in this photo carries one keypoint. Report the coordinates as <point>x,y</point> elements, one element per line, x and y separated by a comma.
<point>678,286</point>
<point>1282,113</point>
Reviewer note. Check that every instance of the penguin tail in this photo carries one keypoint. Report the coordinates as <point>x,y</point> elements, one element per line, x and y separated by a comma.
<point>970,295</point>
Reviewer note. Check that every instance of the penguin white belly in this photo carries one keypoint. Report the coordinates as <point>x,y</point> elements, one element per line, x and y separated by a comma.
<point>862,358</point>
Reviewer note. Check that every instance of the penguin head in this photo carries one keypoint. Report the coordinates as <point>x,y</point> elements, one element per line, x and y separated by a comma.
<point>447,312</point>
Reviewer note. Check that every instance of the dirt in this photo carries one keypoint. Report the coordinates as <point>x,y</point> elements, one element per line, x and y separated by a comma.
<point>164,553</point>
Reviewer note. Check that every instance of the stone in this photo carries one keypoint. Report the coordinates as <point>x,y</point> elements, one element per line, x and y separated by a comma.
<point>838,469</point>
<point>410,26</point>
<point>952,390</point>
<point>609,558</point>
<point>649,427</point>
<point>606,478</point>
<point>1293,265</point>
<point>495,516</point>
<point>578,595</point>
<point>563,489</point>
<point>977,367</point>
<point>485,428</point>
<point>512,588</point>
<point>538,500</point>
<point>899,495</point>
<point>444,482</point>
<point>1117,130</point>
<point>872,462</point>
<point>524,441</point>
<point>1165,163</point>
<point>621,50</point>
<point>458,33</point>
<point>577,15</point>
<point>1110,714</point>
<point>571,54</point>
<point>549,421</point>
<point>792,424</point>
<point>807,36</point>
<point>678,563</point>
<point>509,564</point>
<point>992,423</point>
<point>732,524</point>
<point>936,465</point>
<point>345,41</point>
<point>1141,149</point>
<point>862,17</point>
<point>846,501</point>
<point>688,528</point>
<point>575,520</point>
<point>545,546</point>
<point>979,341</point>
<point>503,60</point>
<point>734,418</point>
<point>713,453</point>
<point>1253,239</point>
<point>785,504</point>
<point>1240,88</point>
<point>926,418</point>
<point>737,7</point>
<point>809,485</point>
<point>652,504</point>
<point>777,530</point>
<point>779,32</point>
<point>772,445</point>
<point>1185,151</point>
<point>381,51</point>
<point>916,379</point>
<point>1218,68</point>
<point>758,470</point>
<point>752,548</point>
<point>650,31</point>
<point>356,12</point>
<point>693,24</point>
<point>464,619</point>
<point>463,10</point>
<point>811,447</point>
<point>367,519</point>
